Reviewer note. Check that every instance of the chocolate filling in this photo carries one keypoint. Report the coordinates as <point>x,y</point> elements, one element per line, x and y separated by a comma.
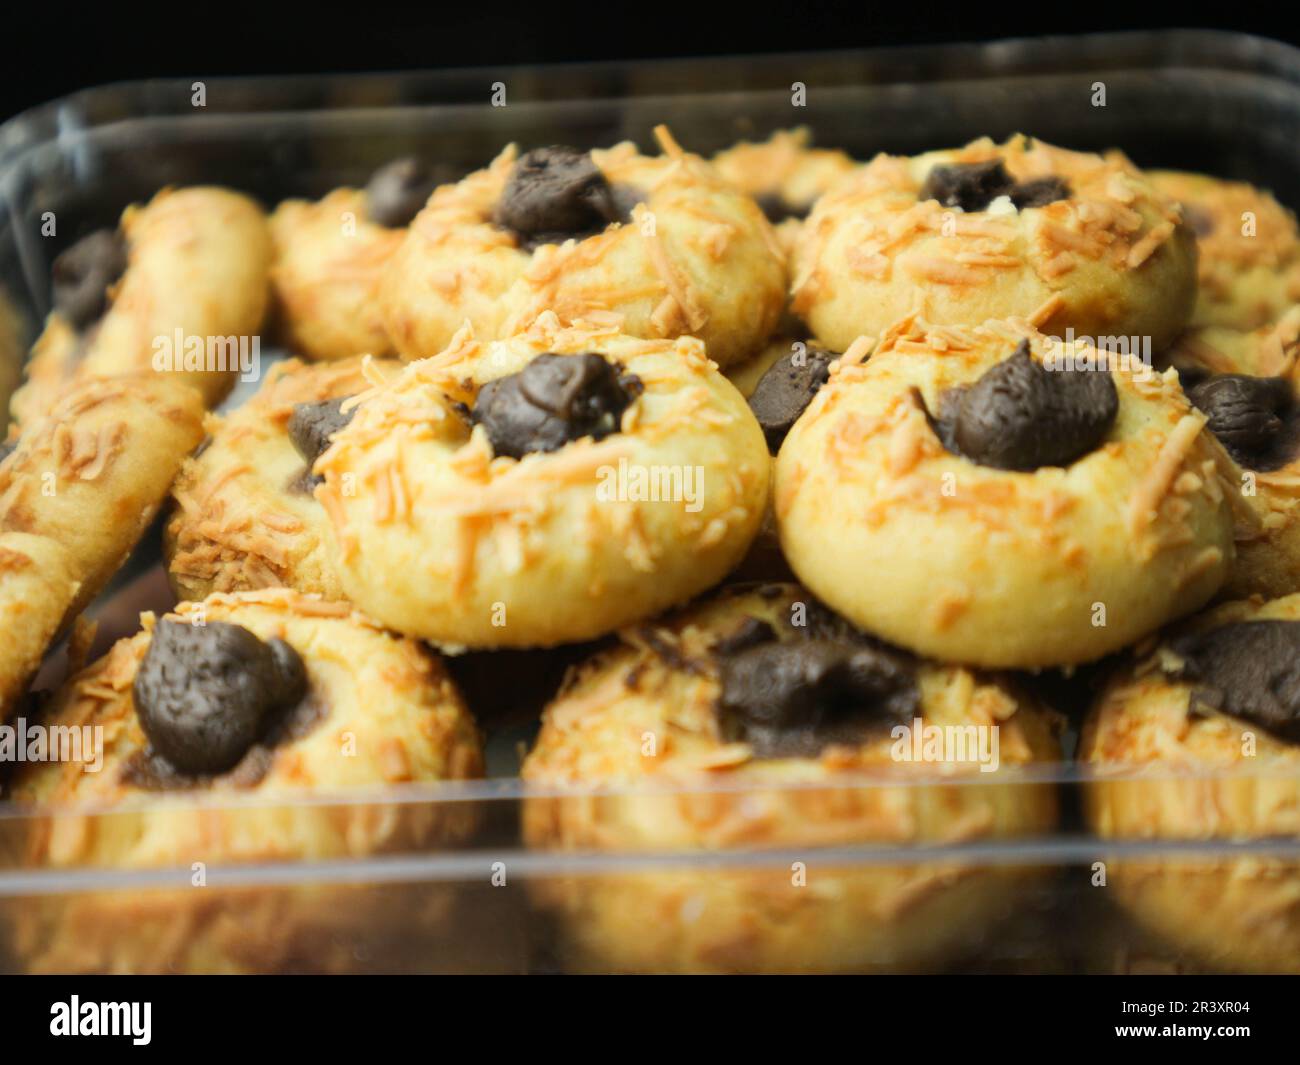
<point>82,275</point>
<point>1256,419</point>
<point>553,401</point>
<point>1021,416</point>
<point>311,425</point>
<point>1249,669</point>
<point>785,390</point>
<point>205,694</point>
<point>973,186</point>
<point>397,191</point>
<point>557,194</point>
<point>825,684</point>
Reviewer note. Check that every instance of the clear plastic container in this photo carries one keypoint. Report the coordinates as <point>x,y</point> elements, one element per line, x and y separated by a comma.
<point>459,887</point>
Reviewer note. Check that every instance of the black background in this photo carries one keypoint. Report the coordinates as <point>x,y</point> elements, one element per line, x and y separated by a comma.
<point>53,49</point>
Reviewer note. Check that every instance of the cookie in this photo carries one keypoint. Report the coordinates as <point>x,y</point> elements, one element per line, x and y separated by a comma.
<point>330,257</point>
<point>265,698</point>
<point>1256,421</point>
<point>751,722</point>
<point>1197,740</point>
<point>1248,268</point>
<point>77,491</point>
<point>245,514</point>
<point>784,174</point>
<point>661,247</point>
<point>1068,239</point>
<point>1266,351</point>
<point>544,489</point>
<point>984,495</point>
<point>188,268</point>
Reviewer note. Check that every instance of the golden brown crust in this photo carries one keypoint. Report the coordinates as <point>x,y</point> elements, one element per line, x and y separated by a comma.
<point>75,496</point>
<point>1113,259</point>
<point>1248,269</point>
<point>440,538</point>
<point>1168,772</point>
<point>198,260</point>
<point>419,732</point>
<point>329,262</point>
<point>996,567</point>
<point>697,258</point>
<point>642,721</point>
<point>242,521</point>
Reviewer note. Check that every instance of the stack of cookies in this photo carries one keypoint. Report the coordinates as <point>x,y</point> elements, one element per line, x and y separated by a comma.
<point>813,467</point>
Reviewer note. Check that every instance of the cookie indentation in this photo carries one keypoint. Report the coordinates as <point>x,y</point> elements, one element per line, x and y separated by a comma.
<point>827,685</point>
<point>556,194</point>
<point>1255,418</point>
<point>973,186</point>
<point>205,694</point>
<point>1022,416</point>
<point>553,401</point>
<point>1249,669</point>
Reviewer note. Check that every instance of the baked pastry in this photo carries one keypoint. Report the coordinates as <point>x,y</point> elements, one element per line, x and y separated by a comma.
<point>784,174</point>
<point>245,515</point>
<point>1257,422</point>
<point>755,720</point>
<point>544,489</point>
<point>330,257</point>
<point>1197,740</point>
<point>1249,263</point>
<point>658,247</point>
<point>267,696</point>
<point>188,270</point>
<point>1266,351</point>
<point>985,495</point>
<point>1068,239</point>
<point>78,488</point>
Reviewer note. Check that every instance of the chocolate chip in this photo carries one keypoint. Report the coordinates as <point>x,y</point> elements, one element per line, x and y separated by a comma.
<point>310,427</point>
<point>397,191</point>
<point>1249,669</point>
<point>1040,192</point>
<point>1255,418</point>
<point>552,401</point>
<point>973,186</point>
<point>778,209</point>
<point>970,186</point>
<point>204,694</point>
<point>792,699</point>
<point>557,193</point>
<point>785,390</point>
<point>1020,415</point>
<point>82,275</point>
